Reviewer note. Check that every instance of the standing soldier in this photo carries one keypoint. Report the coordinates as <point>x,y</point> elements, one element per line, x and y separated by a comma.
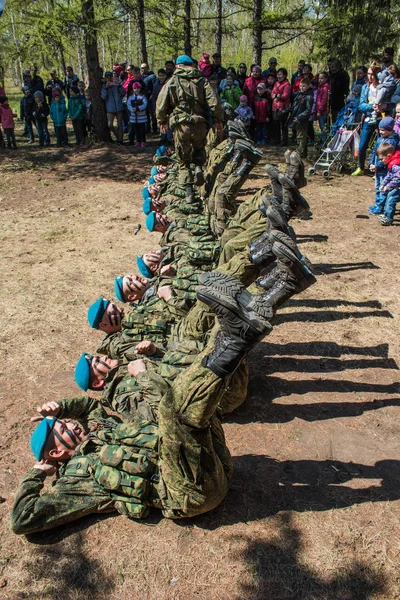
<point>189,102</point>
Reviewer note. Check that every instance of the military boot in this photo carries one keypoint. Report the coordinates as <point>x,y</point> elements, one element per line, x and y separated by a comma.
<point>190,198</point>
<point>273,174</point>
<point>245,168</point>
<point>241,329</point>
<point>262,255</point>
<point>260,240</point>
<point>276,215</point>
<point>268,280</point>
<point>293,202</point>
<point>198,176</point>
<point>222,282</point>
<point>295,169</point>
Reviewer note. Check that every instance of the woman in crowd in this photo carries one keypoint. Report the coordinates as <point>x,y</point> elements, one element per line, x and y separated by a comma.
<point>280,106</point>
<point>367,103</point>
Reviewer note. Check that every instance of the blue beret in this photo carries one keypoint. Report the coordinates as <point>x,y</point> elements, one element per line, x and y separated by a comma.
<point>151,181</point>
<point>145,193</point>
<point>143,268</point>
<point>40,435</point>
<point>96,312</point>
<point>184,59</point>
<point>82,371</point>
<point>154,169</point>
<point>160,150</point>
<point>118,291</point>
<point>151,221</point>
<point>147,206</point>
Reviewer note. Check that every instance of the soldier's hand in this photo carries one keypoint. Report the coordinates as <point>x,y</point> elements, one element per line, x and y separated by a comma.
<point>136,366</point>
<point>48,468</point>
<point>146,347</point>
<point>48,409</point>
<point>167,270</point>
<point>165,292</point>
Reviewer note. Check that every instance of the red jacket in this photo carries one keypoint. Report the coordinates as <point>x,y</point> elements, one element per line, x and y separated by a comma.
<point>283,89</point>
<point>394,160</point>
<point>321,105</point>
<point>250,88</point>
<point>260,109</point>
<point>6,116</point>
<point>205,68</point>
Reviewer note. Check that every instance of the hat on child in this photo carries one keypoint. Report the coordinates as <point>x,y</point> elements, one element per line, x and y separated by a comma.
<point>261,86</point>
<point>206,55</point>
<point>136,85</point>
<point>386,124</point>
<point>39,94</point>
<point>118,69</point>
<point>243,98</point>
<point>56,92</point>
<point>107,73</point>
<point>25,88</point>
<point>184,59</point>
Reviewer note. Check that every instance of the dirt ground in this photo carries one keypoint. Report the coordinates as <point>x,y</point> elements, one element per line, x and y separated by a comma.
<point>314,508</point>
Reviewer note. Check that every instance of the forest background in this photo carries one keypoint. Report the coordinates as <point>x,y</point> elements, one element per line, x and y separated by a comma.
<point>56,33</point>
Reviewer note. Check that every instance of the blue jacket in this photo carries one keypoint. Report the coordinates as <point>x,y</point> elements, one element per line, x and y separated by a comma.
<point>364,106</point>
<point>113,97</point>
<point>58,113</point>
<point>392,139</point>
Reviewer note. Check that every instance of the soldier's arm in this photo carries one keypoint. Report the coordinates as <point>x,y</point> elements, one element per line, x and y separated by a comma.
<point>152,386</point>
<point>80,407</point>
<point>67,500</point>
<point>163,105</point>
<point>214,102</point>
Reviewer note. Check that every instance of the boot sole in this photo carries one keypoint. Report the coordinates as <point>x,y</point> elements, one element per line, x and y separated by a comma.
<point>286,240</point>
<point>225,283</point>
<point>214,299</point>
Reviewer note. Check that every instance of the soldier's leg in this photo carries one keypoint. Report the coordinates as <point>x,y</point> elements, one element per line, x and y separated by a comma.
<point>241,267</point>
<point>241,242</point>
<point>236,392</point>
<point>195,465</point>
<point>199,320</point>
<point>183,150</point>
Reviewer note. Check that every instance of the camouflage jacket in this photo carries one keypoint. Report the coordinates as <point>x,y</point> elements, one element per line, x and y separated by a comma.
<point>114,469</point>
<point>186,98</point>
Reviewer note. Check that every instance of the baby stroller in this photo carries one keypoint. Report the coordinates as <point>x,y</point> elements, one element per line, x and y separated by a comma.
<point>342,143</point>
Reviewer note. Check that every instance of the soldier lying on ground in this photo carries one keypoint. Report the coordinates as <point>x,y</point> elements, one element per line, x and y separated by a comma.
<point>179,464</point>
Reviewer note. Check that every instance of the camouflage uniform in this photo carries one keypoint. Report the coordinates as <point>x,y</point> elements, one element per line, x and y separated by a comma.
<point>187,99</point>
<point>180,464</point>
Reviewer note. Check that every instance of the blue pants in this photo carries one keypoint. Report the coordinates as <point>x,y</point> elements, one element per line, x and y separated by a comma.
<point>380,196</point>
<point>43,133</point>
<point>322,124</point>
<point>261,132</point>
<point>392,198</point>
<point>366,134</point>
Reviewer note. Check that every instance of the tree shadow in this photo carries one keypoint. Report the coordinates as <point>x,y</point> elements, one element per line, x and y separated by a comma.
<point>332,303</point>
<point>307,237</point>
<point>272,412</point>
<point>324,316</point>
<point>65,571</point>
<point>329,269</point>
<point>262,487</point>
<point>278,571</point>
<point>321,348</point>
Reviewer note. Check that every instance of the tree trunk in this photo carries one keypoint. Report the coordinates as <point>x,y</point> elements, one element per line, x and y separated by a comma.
<point>257,31</point>
<point>218,31</point>
<point>95,73</point>
<point>142,31</point>
<point>187,43</point>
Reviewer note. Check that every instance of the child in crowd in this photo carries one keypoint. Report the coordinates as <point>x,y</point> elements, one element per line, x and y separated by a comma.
<point>322,104</point>
<point>25,111</point>
<point>231,92</point>
<point>87,120</point>
<point>396,127</point>
<point>81,92</point>
<point>391,183</point>
<point>205,65</point>
<point>75,111</point>
<point>301,112</point>
<point>7,121</point>
<point>384,90</point>
<point>137,104</point>
<point>59,114</point>
<point>377,166</point>
<point>271,79</point>
<point>40,113</point>
<point>261,114</point>
<point>244,112</point>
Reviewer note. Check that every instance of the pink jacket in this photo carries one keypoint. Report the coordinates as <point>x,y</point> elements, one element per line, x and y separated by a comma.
<point>283,89</point>
<point>321,105</point>
<point>250,88</point>
<point>206,68</point>
<point>6,116</point>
